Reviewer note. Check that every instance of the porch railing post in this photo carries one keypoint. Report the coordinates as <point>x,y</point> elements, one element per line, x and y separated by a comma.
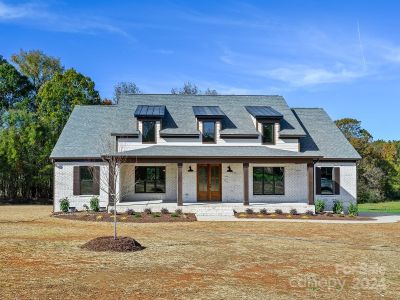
<point>180,199</point>
<point>245,183</point>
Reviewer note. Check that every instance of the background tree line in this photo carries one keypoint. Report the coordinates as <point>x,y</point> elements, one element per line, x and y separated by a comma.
<point>37,95</point>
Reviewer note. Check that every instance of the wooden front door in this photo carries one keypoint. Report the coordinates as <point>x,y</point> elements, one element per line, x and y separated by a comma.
<point>208,182</point>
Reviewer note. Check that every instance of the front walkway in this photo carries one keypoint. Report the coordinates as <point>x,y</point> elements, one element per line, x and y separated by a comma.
<point>379,219</point>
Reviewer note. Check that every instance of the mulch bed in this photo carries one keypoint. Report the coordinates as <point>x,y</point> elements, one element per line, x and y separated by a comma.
<point>108,243</point>
<point>125,218</point>
<point>322,216</point>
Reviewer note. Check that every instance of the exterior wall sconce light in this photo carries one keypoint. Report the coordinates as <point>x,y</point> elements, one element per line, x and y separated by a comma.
<point>190,169</point>
<point>229,169</point>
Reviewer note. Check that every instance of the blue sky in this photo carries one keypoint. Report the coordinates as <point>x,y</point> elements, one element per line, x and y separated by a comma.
<point>343,56</point>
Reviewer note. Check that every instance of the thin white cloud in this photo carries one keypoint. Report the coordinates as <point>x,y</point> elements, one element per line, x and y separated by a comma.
<point>10,12</point>
<point>42,17</point>
<point>303,75</point>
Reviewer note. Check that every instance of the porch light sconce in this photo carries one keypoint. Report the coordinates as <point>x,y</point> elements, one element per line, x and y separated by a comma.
<point>229,169</point>
<point>190,169</point>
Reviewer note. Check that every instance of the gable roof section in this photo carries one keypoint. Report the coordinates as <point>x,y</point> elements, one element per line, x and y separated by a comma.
<point>323,137</point>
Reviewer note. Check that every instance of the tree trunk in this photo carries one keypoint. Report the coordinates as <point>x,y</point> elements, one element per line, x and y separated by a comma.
<point>115,218</point>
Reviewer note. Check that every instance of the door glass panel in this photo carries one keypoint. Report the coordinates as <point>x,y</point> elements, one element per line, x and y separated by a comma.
<point>203,176</point>
<point>214,178</point>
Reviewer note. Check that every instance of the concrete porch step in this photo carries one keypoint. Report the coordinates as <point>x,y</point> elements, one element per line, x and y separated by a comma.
<point>214,212</point>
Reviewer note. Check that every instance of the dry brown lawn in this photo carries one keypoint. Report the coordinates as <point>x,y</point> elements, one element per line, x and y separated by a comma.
<point>40,258</point>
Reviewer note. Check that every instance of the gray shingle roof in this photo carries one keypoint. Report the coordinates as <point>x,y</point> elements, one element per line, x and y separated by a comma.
<point>88,132</point>
<point>181,119</point>
<point>210,151</point>
<point>323,136</point>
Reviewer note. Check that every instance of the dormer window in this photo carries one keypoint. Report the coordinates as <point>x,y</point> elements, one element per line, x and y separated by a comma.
<point>268,134</point>
<point>208,134</point>
<point>266,118</point>
<point>149,132</point>
<point>150,117</point>
<point>209,116</point>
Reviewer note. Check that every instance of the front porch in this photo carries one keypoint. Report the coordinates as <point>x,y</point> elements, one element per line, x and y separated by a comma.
<point>215,185</point>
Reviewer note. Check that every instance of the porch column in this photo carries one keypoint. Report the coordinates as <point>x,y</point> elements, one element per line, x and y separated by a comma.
<point>180,200</point>
<point>310,183</point>
<point>245,183</point>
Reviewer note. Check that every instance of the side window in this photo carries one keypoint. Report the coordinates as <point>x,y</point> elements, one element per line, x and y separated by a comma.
<point>208,135</point>
<point>86,180</point>
<point>328,181</point>
<point>149,132</point>
<point>268,135</point>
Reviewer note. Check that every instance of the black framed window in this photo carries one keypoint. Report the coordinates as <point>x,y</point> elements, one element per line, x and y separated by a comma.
<point>268,136</point>
<point>150,180</point>
<point>208,132</point>
<point>268,181</point>
<point>86,181</point>
<point>149,132</point>
<point>327,181</point>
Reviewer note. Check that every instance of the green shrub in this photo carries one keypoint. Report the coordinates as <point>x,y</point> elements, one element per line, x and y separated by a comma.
<point>130,212</point>
<point>164,211</point>
<point>278,211</point>
<point>293,211</point>
<point>174,215</point>
<point>263,211</point>
<point>64,204</point>
<point>319,206</point>
<point>138,215</point>
<point>249,211</point>
<point>147,211</point>
<point>156,215</point>
<point>353,209</point>
<point>178,211</point>
<point>309,213</point>
<point>337,207</point>
<point>94,204</point>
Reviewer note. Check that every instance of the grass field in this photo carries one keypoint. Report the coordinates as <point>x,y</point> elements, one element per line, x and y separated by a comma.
<point>40,258</point>
<point>381,207</point>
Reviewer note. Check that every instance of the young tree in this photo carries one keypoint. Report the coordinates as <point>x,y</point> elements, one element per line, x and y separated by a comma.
<point>113,184</point>
<point>37,66</point>
<point>124,88</point>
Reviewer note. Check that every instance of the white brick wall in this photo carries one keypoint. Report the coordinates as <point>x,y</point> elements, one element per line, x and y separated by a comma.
<point>348,185</point>
<point>232,183</point>
<point>295,184</point>
<point>127,183</point>
<point>63,185</point>
<point>126,144</point>
<point>189,183</point>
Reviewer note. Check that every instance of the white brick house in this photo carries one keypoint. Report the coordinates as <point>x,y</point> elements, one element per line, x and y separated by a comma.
<point>203,149</point>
